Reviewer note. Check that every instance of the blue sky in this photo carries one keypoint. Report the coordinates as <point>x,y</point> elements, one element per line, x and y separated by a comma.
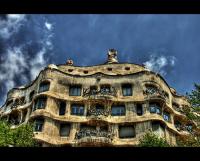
<point>167,44</point>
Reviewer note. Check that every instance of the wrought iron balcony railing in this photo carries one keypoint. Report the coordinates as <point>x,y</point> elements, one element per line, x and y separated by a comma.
<point>87,92</point>
<point>93,133</point>
<point>151,92</point>
<point>98,112</point>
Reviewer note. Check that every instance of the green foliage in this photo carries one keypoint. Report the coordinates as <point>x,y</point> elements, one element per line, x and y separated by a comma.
<point>152,140</point>
<point>189,141</point>
<point>5,134</point>
<point>194,97</point>
<point>21,136</point>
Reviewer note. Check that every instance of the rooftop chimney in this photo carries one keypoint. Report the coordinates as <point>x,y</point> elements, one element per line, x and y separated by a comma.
<point>69,62</point>
<point>112,56</point>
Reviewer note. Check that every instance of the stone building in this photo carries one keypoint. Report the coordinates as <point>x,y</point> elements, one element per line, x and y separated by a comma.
<point>112,104</point>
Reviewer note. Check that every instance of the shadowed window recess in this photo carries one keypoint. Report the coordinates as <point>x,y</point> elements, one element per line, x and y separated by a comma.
<point>40,103</point>
<point>127,90</point>
<point>38,124</point>
<point>44,86</point>
<point>62,108</point>
<point>65,129</point>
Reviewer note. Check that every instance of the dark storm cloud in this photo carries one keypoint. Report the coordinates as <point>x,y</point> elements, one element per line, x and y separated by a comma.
<point>170,44</point>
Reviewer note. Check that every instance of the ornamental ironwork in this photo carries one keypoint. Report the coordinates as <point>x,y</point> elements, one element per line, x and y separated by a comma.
<point>88,132</point>
<point>97,112</point>
<point>153,91</point>
<point>88,92</point>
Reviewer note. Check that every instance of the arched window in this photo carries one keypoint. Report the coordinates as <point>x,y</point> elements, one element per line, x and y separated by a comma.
<point>44,86</point>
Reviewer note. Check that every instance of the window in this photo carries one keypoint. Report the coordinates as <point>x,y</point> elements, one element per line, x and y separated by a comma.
<point>109,69</point>
<point>118,110</point>
<point>189,127</point>
<point>156,125</point>
<point>166,116</point>
<point>93,90</point>
<point>64,129</point>
<point>31,95</point>
<point>44,86</point>
<point>70,70</point>
<point>40,103</point>
<point>77,109</point>
<point>62,108</point>
<point>177,125</point>
<point>126,132</point>
<point>127,68</point>
<point>127,90</point>
<point>75,90</point>
<point>85,72</point>
<point>139,109</point>
<point>9,102</point>
<point>38,125</point>
<point>105,89</point>
<point>154,108</point>
<point>99,108</point>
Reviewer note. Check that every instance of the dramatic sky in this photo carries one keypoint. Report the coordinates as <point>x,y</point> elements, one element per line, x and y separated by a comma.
<point>167,44</point>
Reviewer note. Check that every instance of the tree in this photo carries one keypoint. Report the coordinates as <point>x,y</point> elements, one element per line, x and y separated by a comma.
<point>193,140</point>
<point>22,136</point>
<point>152,140</point>
<point>5,134</point>
<point>194,97</point>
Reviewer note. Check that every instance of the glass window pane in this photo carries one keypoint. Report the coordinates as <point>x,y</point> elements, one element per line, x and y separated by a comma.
<point>126,132</point>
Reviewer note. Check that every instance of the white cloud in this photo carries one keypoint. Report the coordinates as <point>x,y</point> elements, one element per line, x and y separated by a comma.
<point>159,63</point>
<point>48,25</point>
<point>15,62</point>
<point>11,25</point>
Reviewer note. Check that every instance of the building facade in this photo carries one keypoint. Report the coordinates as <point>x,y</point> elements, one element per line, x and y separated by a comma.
<point>112,104</point>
